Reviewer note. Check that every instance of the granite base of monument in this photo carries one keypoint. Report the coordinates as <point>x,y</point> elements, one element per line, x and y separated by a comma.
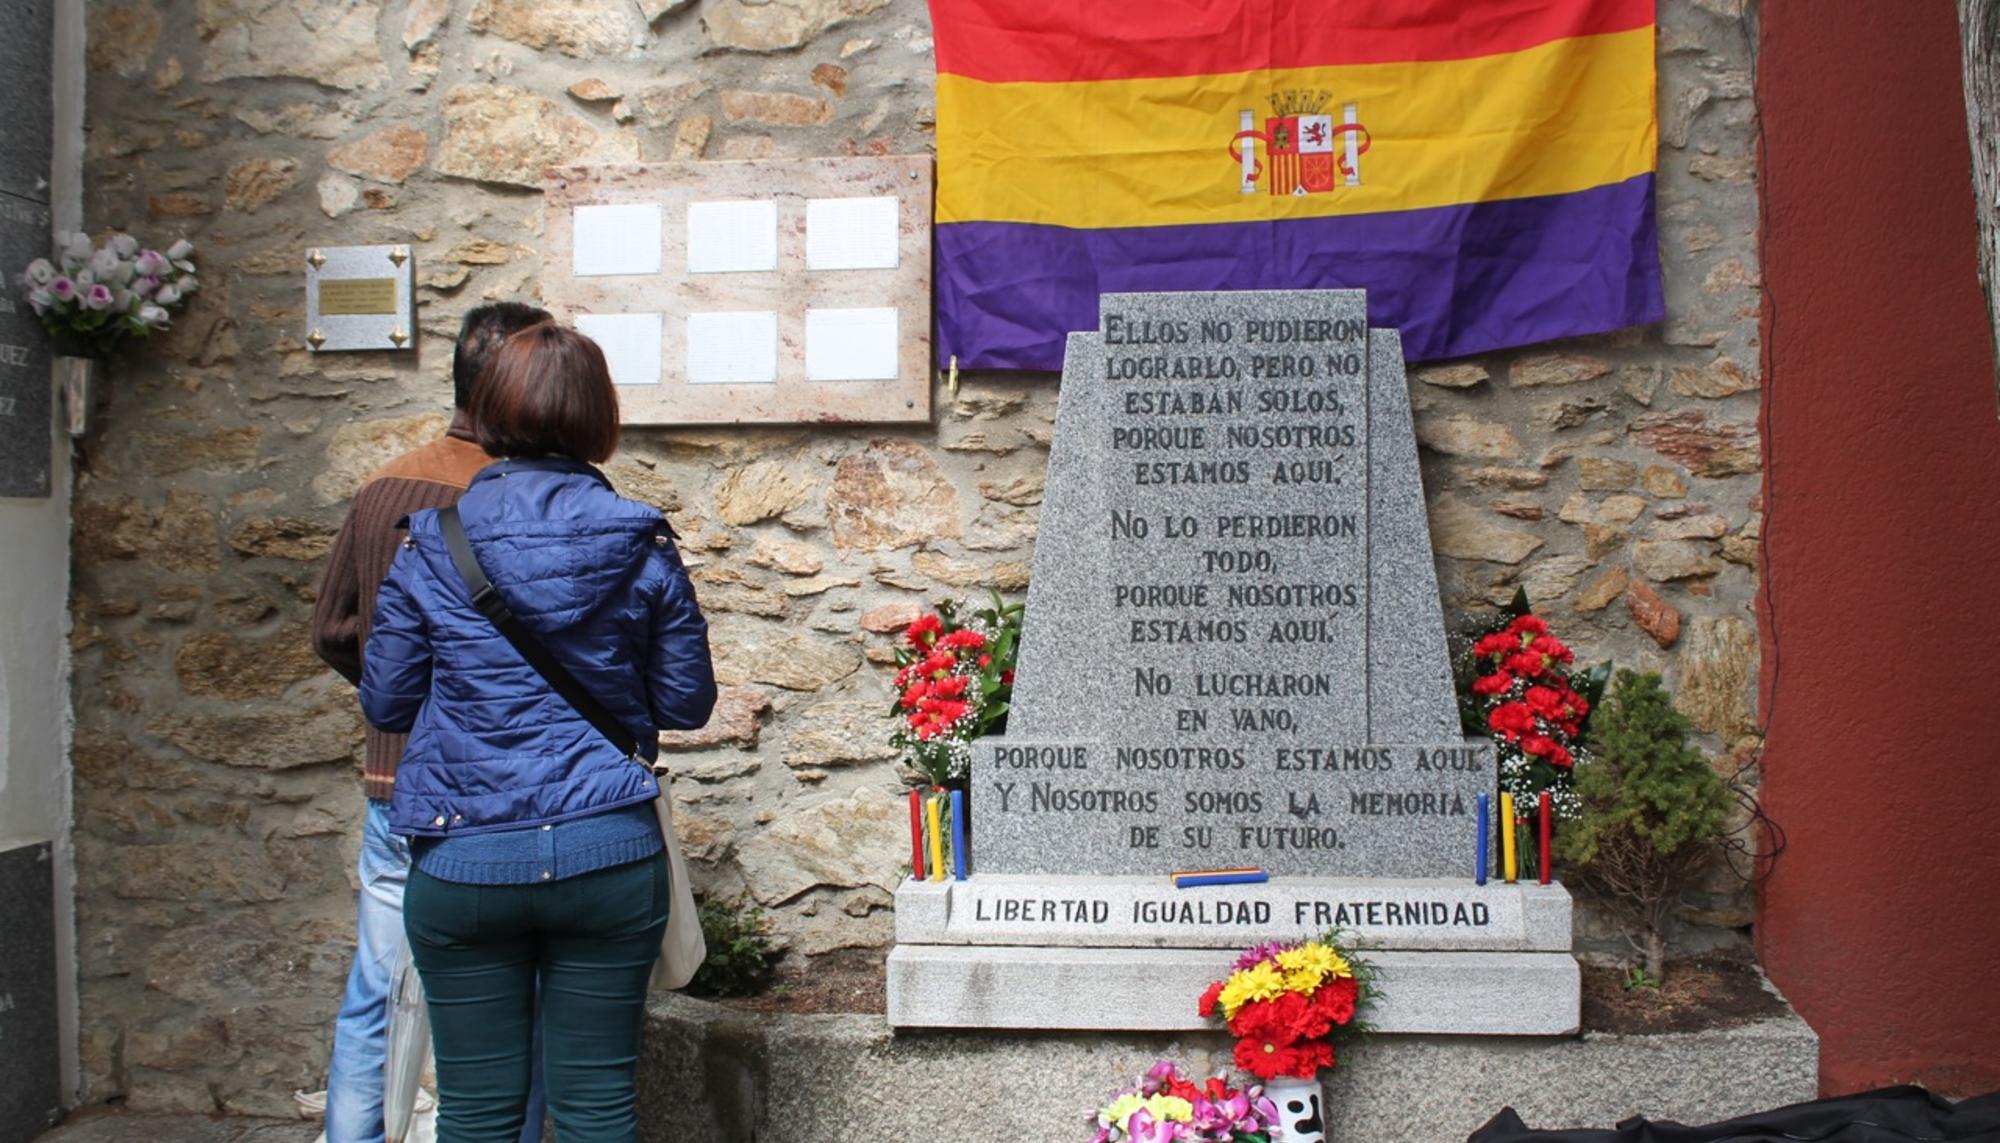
<point>1129,953</point>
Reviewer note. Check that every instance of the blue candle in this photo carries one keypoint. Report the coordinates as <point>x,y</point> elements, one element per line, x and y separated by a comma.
<point>958,834</point>
<point>1197,880</point>
<point>1485,816</point>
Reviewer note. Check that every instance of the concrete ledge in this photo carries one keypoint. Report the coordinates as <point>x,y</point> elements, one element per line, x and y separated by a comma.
<point>1458,993</point>
<point>712,1075</point>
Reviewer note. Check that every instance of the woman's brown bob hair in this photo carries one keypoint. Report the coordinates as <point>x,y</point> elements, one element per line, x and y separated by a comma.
<point>547,392</point>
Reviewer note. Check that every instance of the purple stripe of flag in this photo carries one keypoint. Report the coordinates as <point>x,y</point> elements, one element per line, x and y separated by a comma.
<point>1456,280</point>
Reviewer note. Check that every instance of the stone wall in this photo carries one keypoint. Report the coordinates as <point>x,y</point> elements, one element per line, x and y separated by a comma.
<point>1615,477</point>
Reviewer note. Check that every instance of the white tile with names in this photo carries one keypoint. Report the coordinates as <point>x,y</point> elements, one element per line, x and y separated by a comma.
<point>732,348</point>
<point>732,237</point>
<point>631,345</point>
<point>852,233</point>
<point>616,239</point>
<point>851,344</point>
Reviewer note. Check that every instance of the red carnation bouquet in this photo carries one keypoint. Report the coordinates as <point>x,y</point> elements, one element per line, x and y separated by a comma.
<point>955,684</point>
<point>1525,694</point>
<point>1286,1002</point>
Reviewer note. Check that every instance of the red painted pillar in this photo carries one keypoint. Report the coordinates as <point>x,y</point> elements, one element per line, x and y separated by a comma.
<point>1881,669</point>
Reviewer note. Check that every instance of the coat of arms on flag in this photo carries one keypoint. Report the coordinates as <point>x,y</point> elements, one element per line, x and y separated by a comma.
<point>1306,151</point>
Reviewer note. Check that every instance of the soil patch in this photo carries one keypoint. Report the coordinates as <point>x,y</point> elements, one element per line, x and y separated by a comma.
<point>1700,993</point>
<point>845,980</point>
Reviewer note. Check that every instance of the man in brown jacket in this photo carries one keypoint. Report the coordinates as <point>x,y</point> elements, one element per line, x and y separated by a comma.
<point>430,476</point>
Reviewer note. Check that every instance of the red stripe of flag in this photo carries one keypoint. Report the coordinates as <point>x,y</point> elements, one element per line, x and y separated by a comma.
<point>1057,41</point>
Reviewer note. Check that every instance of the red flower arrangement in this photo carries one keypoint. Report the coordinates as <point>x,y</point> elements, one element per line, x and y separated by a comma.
<point>1284,1003</point>
<point>955,684</point>
<point>1528,701</point>
<point>1534,706</point>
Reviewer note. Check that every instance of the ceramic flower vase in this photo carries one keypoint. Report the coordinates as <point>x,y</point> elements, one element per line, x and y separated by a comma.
<point>79,376</point>
<point>1300,1108</point>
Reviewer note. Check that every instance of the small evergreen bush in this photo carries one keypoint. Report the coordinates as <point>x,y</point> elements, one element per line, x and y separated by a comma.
<point>1651,810</point>
<point>740,957</point>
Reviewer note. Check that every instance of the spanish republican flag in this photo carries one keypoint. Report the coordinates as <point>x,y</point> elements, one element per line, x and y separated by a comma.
<point>1483,168</point>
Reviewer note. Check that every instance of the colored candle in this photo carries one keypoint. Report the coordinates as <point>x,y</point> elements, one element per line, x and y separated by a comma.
<point>1509,860</point>
<point>1197,880</point>
<point>1485,823</point>
<point>958,834</point>
<point>916,835</point>
<point>1543,868</point>
<point>937,838</point>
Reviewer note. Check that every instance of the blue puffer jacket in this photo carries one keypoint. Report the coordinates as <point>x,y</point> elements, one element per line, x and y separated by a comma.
<point>597,579</point>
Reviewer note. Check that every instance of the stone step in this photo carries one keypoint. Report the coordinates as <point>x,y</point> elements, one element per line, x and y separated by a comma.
<point>1148,912</point>
<point>1155,990</point>
<point>712,1074</point>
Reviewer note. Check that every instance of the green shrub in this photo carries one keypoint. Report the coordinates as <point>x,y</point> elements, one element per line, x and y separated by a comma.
<point>740,957</point>
<point>1651,810</point>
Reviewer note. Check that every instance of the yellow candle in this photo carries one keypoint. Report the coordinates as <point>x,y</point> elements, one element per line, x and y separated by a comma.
<point>1507,838</point>
<point>937,839</point>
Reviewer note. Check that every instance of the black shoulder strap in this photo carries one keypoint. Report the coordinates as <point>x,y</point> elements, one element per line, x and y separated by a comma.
<point>495,609</point>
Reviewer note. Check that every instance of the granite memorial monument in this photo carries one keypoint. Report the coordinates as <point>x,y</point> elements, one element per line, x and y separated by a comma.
<point>1233,656</point>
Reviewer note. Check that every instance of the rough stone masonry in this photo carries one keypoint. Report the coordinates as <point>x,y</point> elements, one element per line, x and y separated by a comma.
<point>216,797</point>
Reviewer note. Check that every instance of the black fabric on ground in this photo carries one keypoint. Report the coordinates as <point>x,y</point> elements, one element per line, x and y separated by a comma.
<point>1889,1115</point>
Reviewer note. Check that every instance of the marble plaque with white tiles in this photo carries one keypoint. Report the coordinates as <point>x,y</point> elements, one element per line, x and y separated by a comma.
<point>768,291</point>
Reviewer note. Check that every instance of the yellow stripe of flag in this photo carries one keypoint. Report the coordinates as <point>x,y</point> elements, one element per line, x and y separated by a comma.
<point>1560,117</point>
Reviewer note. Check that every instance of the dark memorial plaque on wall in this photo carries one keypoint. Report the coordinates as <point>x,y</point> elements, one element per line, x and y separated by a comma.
<point>26,93</point>
<point>26,433</point>
<point>30,1077</point>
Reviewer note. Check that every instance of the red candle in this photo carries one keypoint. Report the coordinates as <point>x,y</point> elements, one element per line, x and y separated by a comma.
<point>1544,867</point>
<point>916,835</point>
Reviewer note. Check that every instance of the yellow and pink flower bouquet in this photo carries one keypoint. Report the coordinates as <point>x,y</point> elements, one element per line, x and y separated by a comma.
<point>1167,1107</point>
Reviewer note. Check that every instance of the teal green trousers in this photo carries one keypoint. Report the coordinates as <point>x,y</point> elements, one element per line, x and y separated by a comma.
<point>590,941</point>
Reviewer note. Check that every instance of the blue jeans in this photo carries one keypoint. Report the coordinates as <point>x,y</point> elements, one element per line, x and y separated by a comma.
<point>354,1078</point>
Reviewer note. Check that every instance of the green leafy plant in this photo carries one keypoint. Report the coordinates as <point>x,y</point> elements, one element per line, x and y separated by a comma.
<point>1650,812</point>
<point>740,957</point>
<point>1637,978</point>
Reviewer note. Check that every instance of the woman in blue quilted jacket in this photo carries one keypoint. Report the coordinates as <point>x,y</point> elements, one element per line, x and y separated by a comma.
<point>538,859</point>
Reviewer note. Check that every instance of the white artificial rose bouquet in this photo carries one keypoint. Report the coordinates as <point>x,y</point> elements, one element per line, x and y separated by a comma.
<point>91,297</point>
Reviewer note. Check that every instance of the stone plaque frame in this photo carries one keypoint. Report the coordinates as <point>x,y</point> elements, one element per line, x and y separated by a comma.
<point>342,325</point>
<point>789,290</point>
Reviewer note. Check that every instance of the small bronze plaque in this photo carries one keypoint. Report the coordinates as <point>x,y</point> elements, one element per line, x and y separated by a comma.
<point>357,296</point>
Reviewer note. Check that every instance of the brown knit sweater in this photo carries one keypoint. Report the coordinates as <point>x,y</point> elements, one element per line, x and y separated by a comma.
<point>432,476</point>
